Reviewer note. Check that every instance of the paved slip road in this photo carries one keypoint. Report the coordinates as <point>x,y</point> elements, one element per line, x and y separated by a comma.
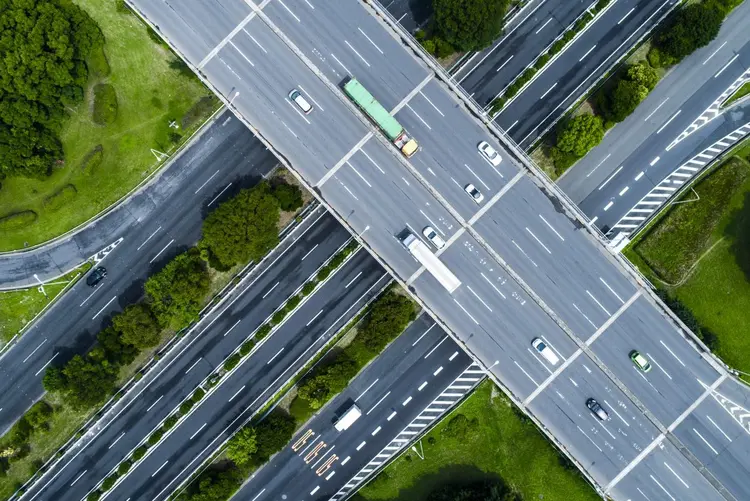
<point>419,365</point>
<point>155,225</point>
<point>633,158</point>
<point>411,14</point>
<point>200,353</point>
<point>584,62</point>
<point>526,267</point>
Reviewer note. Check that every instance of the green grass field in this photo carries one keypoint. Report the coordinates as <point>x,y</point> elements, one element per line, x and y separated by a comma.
<point>743,91</point>
<point>708,231</point>
<point>103,163</point>
<point>501,445</point>
<point>19,307</point>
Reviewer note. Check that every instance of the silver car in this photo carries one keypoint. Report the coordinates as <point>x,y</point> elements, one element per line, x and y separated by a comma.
<point>474,193</point>
<point>489,153</point>
<point>432,235</point>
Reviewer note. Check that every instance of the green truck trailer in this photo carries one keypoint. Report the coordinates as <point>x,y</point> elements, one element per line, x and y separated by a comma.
<point>373,109</point>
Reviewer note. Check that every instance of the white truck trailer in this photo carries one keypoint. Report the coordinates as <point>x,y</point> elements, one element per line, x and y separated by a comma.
<point>348,418</point>
<point>430,261</point>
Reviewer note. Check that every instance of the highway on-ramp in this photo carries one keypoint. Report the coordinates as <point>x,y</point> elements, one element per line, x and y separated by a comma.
<point>527,266</point>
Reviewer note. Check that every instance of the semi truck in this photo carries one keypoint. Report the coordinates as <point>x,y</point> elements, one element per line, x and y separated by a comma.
<point>347,418</point>
<point>380,116</point>
<point>431,262</point>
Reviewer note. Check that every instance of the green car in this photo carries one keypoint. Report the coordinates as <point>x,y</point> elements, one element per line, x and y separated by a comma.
<point>640,361</point>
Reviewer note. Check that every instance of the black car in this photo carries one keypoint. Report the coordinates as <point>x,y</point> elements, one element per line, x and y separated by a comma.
<point>96,276</point>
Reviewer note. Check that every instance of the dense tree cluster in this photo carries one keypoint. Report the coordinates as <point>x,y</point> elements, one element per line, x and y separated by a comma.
<point>490,490</point>
<point>693,27</point>
<point>43,48</point>
<point>630,89</point>
<point>469,24</point>
<point>576,137</point>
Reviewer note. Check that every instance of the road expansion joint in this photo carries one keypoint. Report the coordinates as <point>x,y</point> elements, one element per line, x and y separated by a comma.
<point>225,40</point>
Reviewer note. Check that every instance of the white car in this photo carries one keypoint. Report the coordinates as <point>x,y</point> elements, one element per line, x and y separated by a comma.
<point>474,193</point>
<point>297,98</point>
<point>432,235</point>
<point>489,153</point>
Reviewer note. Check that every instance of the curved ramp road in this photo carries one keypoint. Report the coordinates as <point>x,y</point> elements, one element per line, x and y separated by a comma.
<point>154,225</point>
<point>634,157</point>
<point>527,268</point>
<point>197,356</point>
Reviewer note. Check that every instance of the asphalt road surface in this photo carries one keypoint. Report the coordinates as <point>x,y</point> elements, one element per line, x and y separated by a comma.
<point>640,153</point>
<point>419,365</point>
<point>205,349</point>
<point>527,268</point>
<point>155,225</point>
<point>411,14</point>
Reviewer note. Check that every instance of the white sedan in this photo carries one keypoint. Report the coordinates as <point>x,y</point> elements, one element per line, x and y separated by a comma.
<point>489,153</point>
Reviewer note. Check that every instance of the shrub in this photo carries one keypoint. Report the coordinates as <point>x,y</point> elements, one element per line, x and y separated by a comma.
<point>198,394</point>
<point>124,467</point>
<point>17,220</point>
<point>557,47</point>
<point>600,5</point>
<point>94,496</point>
<point>308,287</point>
<point>122,7</point>
<point>323,273</point>
<point>170,422</point>
<point>387,319</point>
<point>139,453</point>
<point>289,196</point>
<point>232,362</point>
<point>39,414</point>
<point>155,437</point>
<point>429,46</point>
<point>186,406</point>
<point>60,198</point>
<point>105,104</point>
<point>247,347</point>
<point>293,302</point>
<point>109,482</point>
<point>278,317</point>
<point>542,61</point>
<point>263,331</point>
<point>580,134</point>
<point>459,427</point>
<point>443,48</point>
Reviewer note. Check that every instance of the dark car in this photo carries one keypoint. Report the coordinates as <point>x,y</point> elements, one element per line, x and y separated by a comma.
<point>596,409</point>
<point>96,276</point>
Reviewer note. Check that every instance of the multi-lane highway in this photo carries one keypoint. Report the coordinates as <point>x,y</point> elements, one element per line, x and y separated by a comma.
<point>391,392</point>
<point>152,227</point>
<point>210,342</point>
<point>527,266</point>
<point>647,158</point>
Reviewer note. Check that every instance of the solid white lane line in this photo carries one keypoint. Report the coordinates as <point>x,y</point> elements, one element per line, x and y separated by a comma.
<point>32,353</point>
<point>194,364</point>
<point>78,478</point>
<point>220,194</point>
<point>542,27</point>
<point>198,431</point>
<point>276,355</point>
<point>353,280</point>
<point>236,393</point>
<point>313,318</point>
<point>420,118</point>
<point>230,329</point>
<point>597,302</point>
<point>152,405</point>
<point>423,335</point>
<point>376,430</point>
<point>377,403</point>
<point>587,53</point>
<point>479,298</point>
<point>524,253</point>
<point>255,41</point>
<point>437,228</point>
<point>89,297</point>
<point>341,64</point>
<point>598,165</point>
<point>667,123</point>
<point>717,427</point>
<point>651,357</point>
<point>289,11</point>
<point>551,228</point>
<point>43,367</point>
<point>617,413</point>
<point>310,96</point>
<point>144,243</point>
<point>116,440</point>
<point>655,110</point>
<point>727,65</point>
<point>705,441</point>
<point>207,181</point>
<point>159,468</point>
<point>367,389</point>
<point>103,307</point>
<point>662,488</point>
<point>406,402</point>
<point>358,54</point>
<point>527,374</point>
<point>511,126</point>
<point>714,53</point>
<point>676,475</point>
<point>159,253</point>
<point>370,40</point>
<point>306,255</point>
<point>436,346</point>
<point>371,160</point>
<point>626,15</point>
<point>538,241</point>
<point>503,65</point>
<point>548,91</point>
<point>431,103</point>
<point>465,311</point>
<point>610,178</point>
<point>672,353</point>
<point>243,57</point>
<point>438,371</point>
<point>272,288</point>
<point>492,285</point>
<point>586,435</point>
<point>360,175</point>
<point>611,290</point>
<point>421,386</point>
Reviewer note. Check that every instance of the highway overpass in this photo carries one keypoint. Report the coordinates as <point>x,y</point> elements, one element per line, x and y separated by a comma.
<point>528,264</point>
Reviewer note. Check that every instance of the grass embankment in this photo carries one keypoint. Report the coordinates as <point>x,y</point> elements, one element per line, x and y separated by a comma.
<point>138,96</point>
<point>743,91</point>
<point>499,444</point>
<point>19,307</point>
<point>699,253</point>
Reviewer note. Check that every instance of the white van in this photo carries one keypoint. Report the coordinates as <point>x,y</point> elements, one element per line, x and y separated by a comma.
<point>545,351</point>
<point>297,98</point>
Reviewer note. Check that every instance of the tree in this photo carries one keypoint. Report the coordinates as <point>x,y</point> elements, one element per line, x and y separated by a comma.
<point>242,445</point>
<point>176,293</point>
<point>54,379</point>
<point>643,74</point>
<point>625,98</point>
<point>288,195</point>
<point>43,48</point>
<point>469,24</point>
<point>490,490</point>
<point>115,350</point>
<point>39,414</point>
<point>272,434</point>
<point>243,228</point>
<point>216,485</point>
<point>580,134</point>
<point>694,26</point>
<point>327,381</point>
<point>88,382</point>
<point>387,319</point>
<point>137,326</point>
